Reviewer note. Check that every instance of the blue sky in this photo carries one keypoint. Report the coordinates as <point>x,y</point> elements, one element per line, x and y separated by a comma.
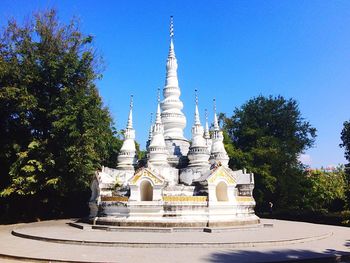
<point>231,50</point>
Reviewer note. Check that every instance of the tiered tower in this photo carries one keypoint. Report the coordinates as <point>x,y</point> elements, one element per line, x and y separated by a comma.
<point>198,154</point>
<point>127,158</point>
<point>218,152</point>
<point>173,119</point>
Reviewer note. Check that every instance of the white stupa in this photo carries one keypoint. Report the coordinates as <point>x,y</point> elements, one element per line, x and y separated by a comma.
<point>172,117</point>
<point>178,184</point>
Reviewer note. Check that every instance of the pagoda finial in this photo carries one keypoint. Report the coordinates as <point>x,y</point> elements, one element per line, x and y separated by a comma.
<point>158,95</point>
<point>131,101</point>
<point>129,124</point>
<point>158,114</point>
<point>171,27</point>
<point>150,130</point>
<point>216,124</point>
<point>206,130</point>
<point>171,49</point>
<point>214,105</point>
<point>196,113</point>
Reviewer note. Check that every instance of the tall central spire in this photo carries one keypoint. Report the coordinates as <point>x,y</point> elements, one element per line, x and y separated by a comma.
<point>173,119</point>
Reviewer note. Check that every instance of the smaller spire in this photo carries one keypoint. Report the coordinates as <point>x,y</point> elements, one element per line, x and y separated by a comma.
<point>127,158</point>
<point>150,130</point>
<point>206,131</point>
<point>196,113</point>
<point>218,152</point>
<point>158,95</point>
<point>198,154</point>
<point>158,115</point>
<point>216,123</point>
<point>157,151</point>
<point>129,124</point>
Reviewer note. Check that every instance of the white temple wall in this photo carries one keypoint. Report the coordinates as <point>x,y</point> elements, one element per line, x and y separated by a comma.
<point>137,191</point>
<point>221,185</point>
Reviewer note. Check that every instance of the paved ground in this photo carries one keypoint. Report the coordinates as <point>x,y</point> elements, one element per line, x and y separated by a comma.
<point>336,243</point>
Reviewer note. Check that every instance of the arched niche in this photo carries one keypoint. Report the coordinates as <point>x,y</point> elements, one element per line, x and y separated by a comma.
<point>221,192</point>
<point>146,191</point>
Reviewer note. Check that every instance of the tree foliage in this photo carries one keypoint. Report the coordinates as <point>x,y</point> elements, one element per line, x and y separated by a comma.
<point>267,135</point>
<point>328,189</point>
<point>54,130</point>
<point>345,137</point>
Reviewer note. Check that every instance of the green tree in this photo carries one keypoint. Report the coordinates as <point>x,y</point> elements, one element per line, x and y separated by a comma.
<point>268,134</point>
<point>328,189</point>
<point>345,137</point>
<point>54,130</point>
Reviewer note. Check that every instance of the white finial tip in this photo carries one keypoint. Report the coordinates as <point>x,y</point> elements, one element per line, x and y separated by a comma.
<point>158,95</point>
<point>171,27</point>
<point>196,96</point>
<point>131,101</point>
<point>214,102</point>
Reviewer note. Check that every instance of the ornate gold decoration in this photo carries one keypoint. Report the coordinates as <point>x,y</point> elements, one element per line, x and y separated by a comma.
<point>244,198</point>
<point>221,173</point>
<point>145,173</point>
<point>115,198</point>
<point>176,198</point>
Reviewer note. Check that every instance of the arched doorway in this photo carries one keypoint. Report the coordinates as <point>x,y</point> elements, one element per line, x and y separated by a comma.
<point>221,192</point>
<point>146,190</point>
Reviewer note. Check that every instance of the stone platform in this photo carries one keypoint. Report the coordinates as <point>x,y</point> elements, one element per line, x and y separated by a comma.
<point>271,241</point>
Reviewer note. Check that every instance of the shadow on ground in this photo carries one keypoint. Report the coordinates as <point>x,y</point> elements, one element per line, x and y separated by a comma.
<point>347,243</point>
<point>287,255</point>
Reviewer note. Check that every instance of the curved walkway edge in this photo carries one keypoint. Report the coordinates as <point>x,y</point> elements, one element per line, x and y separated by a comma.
<point>176,244</point>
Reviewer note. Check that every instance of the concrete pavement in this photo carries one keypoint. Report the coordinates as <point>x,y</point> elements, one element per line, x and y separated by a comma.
<point>285,241</point>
